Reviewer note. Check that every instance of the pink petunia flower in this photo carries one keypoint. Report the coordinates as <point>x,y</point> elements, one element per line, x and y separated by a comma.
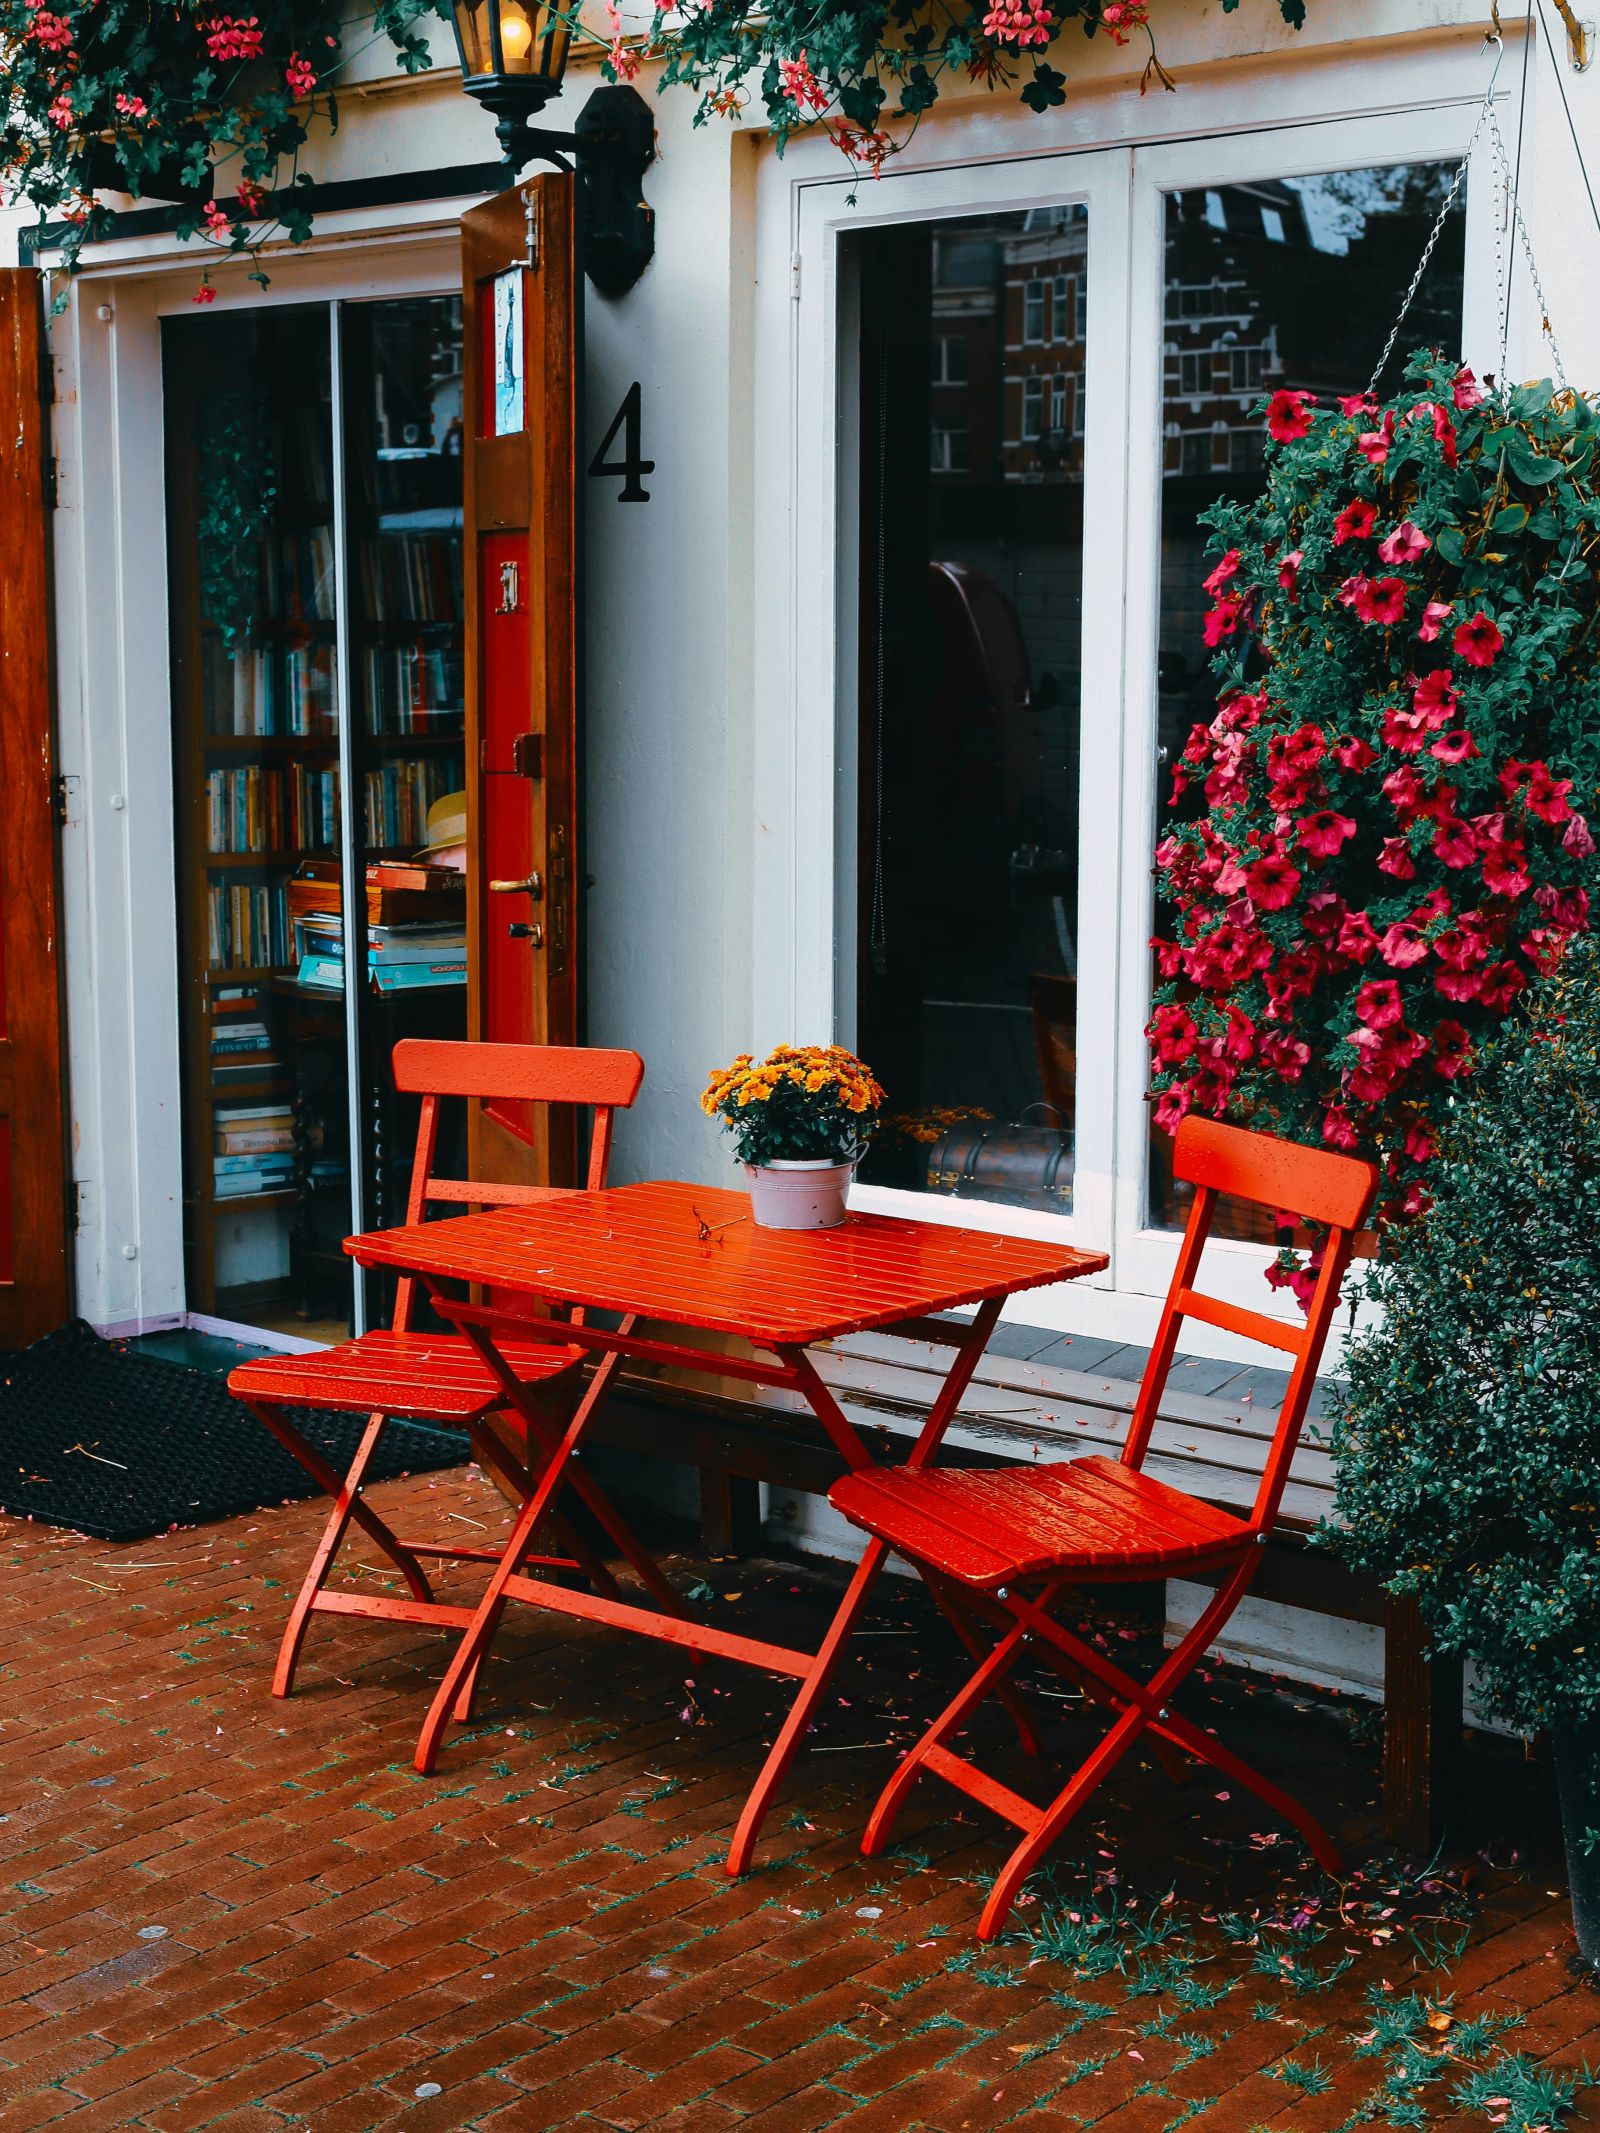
<point>1457,746</point>
<point>1578,842</point>
<point>1405,544</point>
<point>1352,405</point>
<point>1465,391</point>
<point>1353,753</point>
<point>1434,617</point>
<point>1358,941</point>
<point>1322,834</point>
<point>1478,642</point>
<point>1373,445</point>
<point>1355,521</point>
<point>1452,1050</point>
<point>1378,1003</point>
<point>1434,698</point>
<point>1289,570</point>
<point>1401,946</point>
<point>1338,1128</point>
<point>1272,881</point>
<point>1289,416</point>
<point>1454,843</point>
<point>1396,859</point>
<point>1380,600</point>
<point>1224,573</point>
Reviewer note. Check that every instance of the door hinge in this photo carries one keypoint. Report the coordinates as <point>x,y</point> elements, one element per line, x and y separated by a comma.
<point>61,798</point>
<point>530,225</point>
<point>794,277</point>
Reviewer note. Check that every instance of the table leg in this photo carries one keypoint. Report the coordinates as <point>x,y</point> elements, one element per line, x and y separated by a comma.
<point>804,1375</point>
<point>787,1745</point>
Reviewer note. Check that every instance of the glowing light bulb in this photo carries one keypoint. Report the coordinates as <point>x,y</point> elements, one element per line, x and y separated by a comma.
<point>516,37</point>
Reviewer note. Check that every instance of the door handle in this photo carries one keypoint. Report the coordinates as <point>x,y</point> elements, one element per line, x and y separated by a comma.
<point>531,885</point>
<point>533,935</point>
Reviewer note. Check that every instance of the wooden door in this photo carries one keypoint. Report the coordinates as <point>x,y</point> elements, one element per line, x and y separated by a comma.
<point>33,1164</point>
<point>521,661</point>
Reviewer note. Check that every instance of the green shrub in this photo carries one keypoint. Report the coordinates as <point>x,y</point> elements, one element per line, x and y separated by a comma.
<point>1468,1441</point>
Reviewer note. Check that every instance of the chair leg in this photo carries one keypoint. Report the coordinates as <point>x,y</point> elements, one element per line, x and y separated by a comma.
<point>1038,1841</point>
<point>990,1674</point>
<point>346,1506</point>
<point>960,1619</point>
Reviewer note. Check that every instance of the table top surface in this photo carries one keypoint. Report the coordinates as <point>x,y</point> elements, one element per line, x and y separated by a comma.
<point>643,1249</point>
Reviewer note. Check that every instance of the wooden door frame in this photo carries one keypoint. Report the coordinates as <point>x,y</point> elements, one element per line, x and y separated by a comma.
<point>37,1297</point>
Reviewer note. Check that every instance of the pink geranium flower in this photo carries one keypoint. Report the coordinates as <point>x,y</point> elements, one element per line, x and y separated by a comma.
<point>1355,521</point>
<point>1289,416</point>
<point>1018,22</point>
<point>1478,642</point>
<point>1405,544</point>
<point>800,85</point>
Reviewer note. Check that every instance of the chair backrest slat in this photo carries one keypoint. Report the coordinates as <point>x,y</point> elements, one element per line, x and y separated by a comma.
<point>1314,1183</point>
<point>433,1068</point>
<point>535,1073</point>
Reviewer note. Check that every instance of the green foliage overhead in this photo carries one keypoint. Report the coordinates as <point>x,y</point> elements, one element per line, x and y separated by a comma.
<point>1468,1442</point>
<point>167,98</point>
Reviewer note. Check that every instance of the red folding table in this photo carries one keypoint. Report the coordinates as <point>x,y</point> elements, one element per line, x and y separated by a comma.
<point>690,1256</point>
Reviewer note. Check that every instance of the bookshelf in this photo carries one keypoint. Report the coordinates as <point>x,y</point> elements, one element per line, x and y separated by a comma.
<point>272,1123</point>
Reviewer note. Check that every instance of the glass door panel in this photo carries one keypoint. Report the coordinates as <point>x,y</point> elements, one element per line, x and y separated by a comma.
<point>250,495</point>
<point>972,423</point>
<point>292,1129</point>
<point>402,401</point>
<point>1282,282</point>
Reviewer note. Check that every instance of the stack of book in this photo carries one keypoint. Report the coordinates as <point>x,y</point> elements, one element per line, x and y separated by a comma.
<point>241,1044</point>
<point>416,925</point>
<point>254,1148</point>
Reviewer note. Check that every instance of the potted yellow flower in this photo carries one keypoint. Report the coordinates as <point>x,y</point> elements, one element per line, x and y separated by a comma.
<point>801,1120</point>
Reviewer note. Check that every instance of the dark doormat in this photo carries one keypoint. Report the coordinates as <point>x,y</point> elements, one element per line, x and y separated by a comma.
<point>121,1446</point>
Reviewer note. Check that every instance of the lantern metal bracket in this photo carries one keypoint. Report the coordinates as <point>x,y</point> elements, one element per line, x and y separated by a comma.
<point>611,147</point>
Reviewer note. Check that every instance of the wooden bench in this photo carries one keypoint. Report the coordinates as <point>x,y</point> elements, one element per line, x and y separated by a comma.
<point>1067,1397</point>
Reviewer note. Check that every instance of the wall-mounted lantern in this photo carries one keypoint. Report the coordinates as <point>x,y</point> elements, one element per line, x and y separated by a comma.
<point>513,57</point>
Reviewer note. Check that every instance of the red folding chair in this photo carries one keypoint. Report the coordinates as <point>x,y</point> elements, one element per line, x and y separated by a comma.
<point>1019,1538</point>
<point>437,1377</point>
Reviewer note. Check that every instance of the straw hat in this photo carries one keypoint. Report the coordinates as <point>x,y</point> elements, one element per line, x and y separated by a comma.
<point>447,825</point>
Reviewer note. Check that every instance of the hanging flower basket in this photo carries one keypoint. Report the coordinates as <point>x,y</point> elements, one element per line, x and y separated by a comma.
<point>1384,834</point>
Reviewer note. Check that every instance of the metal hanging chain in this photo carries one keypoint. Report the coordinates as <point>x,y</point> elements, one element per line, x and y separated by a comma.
<point>1485,114</point>
<point>1487,120</point>
<point>877,923</point>
<point>1520,226</point>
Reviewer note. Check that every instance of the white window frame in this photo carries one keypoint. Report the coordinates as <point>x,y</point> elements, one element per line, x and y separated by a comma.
<point>1354,108</point>
<point>1145,1255</point>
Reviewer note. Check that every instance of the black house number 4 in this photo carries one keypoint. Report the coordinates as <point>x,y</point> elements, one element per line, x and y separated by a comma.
<point>625,423</point>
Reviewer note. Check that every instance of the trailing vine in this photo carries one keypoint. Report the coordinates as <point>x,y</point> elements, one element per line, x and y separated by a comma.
<point>176,100</point>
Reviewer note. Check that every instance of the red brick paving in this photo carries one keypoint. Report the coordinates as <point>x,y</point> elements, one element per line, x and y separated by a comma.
<point>543,1929</point>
